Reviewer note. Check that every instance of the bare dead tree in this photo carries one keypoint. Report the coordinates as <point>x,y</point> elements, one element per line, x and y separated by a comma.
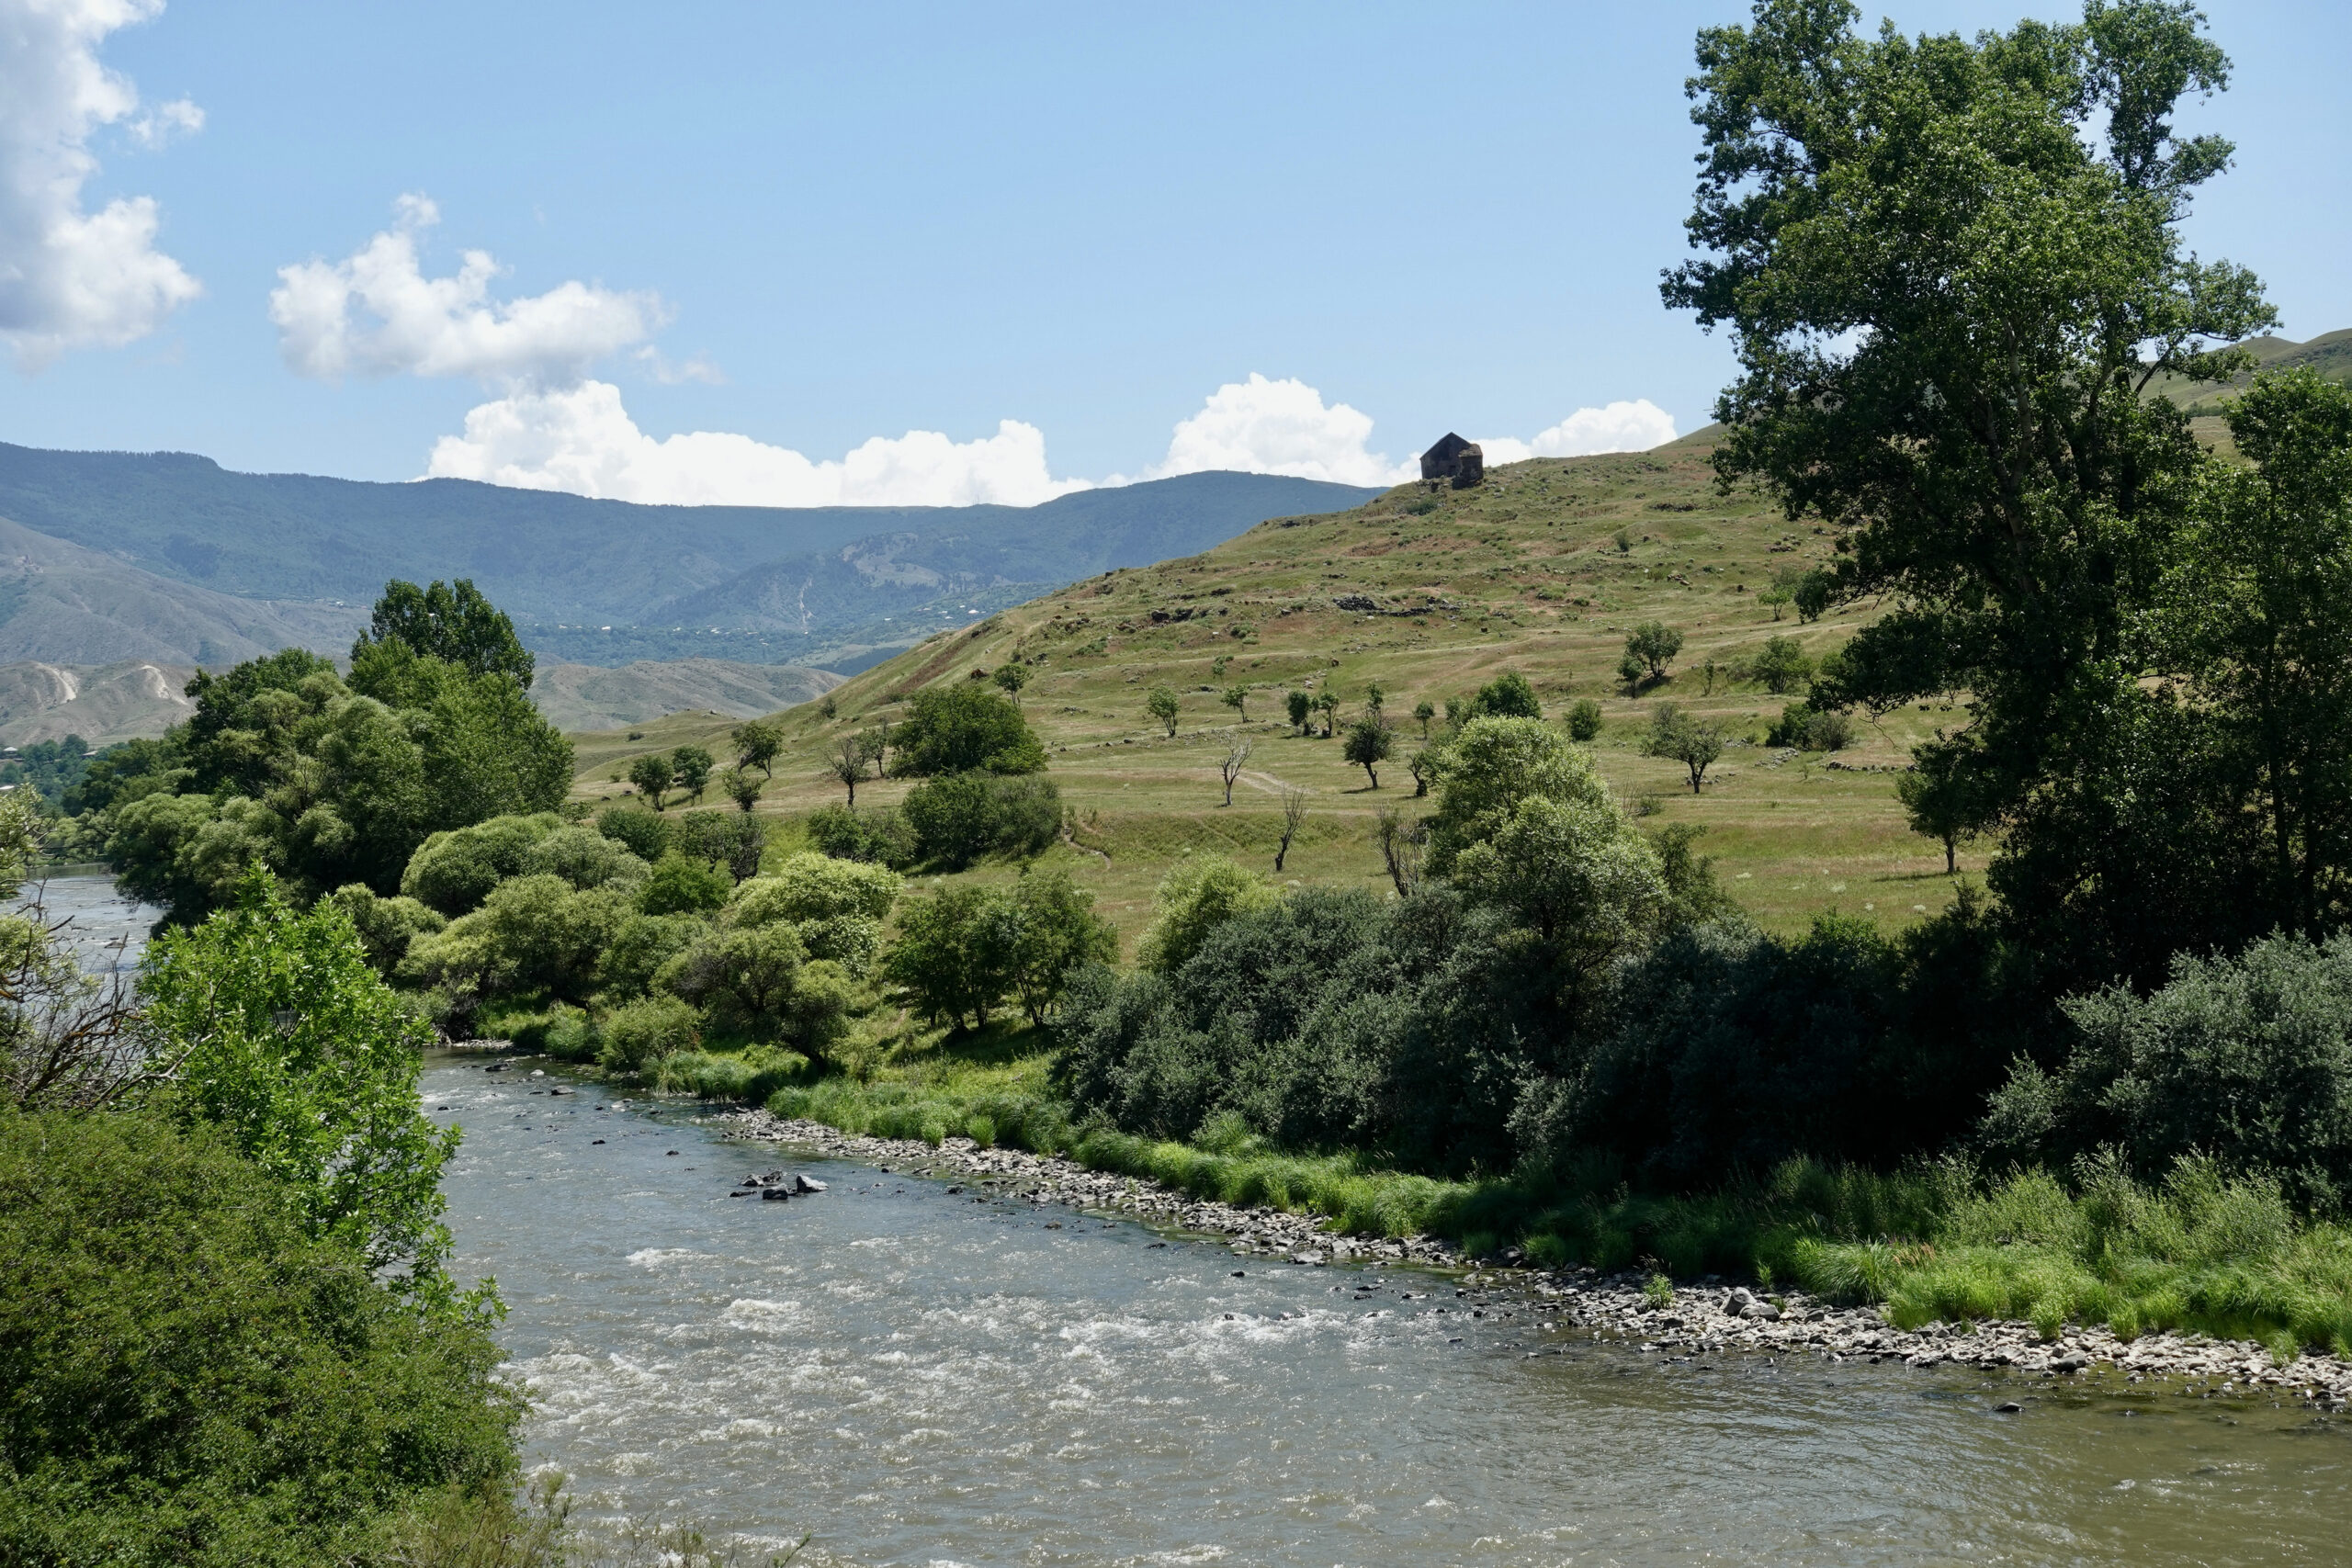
<point>1231,766</point>
<point>1294,814</point>
<point>69,1039</point>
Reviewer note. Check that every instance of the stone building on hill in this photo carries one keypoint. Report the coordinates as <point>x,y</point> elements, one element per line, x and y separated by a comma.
<point>1456,459</point>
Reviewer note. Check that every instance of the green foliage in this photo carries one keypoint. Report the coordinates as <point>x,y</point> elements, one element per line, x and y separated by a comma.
<point>882,838</point>
<point>1686,739</point>
<point>1368,745</point>
<point>1654,644</point>
<point>1574,877</point>
<point>1951,266</point>
<point>1199,893</point>
<point>757,741</point>
<point>1584,720</point>
<point>1010,677</point>
<point>1237,698</point>
<point>640,1034</point>
<point>1297,706</point>
<point>691,766</point>
<point>744,977</point>
<point>2248,1059</point>
<point>681,886</point>
<point>583,857</point>
<point>288,1044</point>
<point>1936,799</point>
<point>953,958</point>
<point>194,1375</point>
<point>385,926</point>
<point>452,622</point>
<point>1055,934</point>
<point>651,775</point>
<point>836,906</point>
<point>963,728</point>
<point>1508,695</point>
<point>1160,703</point>
<point>1489,768</point>
<point>1809,728</point>
<point>453,872</point>
<point>1782,666</point>
<point>644,834</point>
<point>962,817</point>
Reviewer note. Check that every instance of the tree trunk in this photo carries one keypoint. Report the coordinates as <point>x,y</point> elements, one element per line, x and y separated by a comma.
<point>1952,863</point>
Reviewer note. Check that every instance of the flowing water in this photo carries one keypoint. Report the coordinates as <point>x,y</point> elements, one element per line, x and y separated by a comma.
<point>106,929</point>
<point>918,1376</point>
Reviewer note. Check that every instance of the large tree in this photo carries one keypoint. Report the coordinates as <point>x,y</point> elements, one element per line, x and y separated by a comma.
<point>450,621</point>
<point>1954,268</point>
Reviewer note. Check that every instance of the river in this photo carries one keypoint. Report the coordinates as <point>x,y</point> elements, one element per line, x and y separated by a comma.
<point>918,1376</point>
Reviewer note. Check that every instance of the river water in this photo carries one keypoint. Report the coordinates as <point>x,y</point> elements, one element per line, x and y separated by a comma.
<point>916,1376</point>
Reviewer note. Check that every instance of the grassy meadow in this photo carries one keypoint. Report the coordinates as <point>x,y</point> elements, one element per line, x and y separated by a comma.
<point>1543,569</point>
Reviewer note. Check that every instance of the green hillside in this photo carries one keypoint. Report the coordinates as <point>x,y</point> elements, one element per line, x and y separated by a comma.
<point>2330,355</point>
<point>1525,572</point>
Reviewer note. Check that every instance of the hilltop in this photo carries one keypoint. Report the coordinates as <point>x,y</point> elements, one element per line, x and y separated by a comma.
<point>1428,592</point>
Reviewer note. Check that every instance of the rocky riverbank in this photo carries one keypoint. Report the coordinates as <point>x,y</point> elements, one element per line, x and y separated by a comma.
<point>1710,1318</point>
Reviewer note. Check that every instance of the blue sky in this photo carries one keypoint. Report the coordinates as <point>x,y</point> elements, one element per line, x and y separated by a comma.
<point>799,228</point>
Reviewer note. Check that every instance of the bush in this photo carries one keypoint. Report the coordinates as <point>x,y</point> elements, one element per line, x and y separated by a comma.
<point>1782,665</point>
<point>453,872</point>
<point>1584,720</point>
<point>882,838</point>
<point>386,926</point>
<point>953,958</point>
<point>191,1377</point>
<point>2248,1059</point>
<point>680,885</point>
<point>1810,729</point>
<point>645,834</point>
<point>837,907</point>
<point>560,1031</point>
<point>644,1032</point>
<point>585,858</point>
<point>962,817</point>
<point>1199,893</point>
<point>1508,695</point>
<point>744,979</point>
<point>641,945</point>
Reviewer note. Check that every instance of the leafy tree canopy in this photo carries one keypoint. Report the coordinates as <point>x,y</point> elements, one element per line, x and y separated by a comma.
<point>963,728</point>
<point>450,621</point>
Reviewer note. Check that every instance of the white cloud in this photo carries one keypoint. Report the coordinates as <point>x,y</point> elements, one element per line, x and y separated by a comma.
<point>167,122</point>
<point>1634,426</point>
<point>582,440</point>
<point>376,313</point>
<point>1279,427</point>
<point>69,279</point>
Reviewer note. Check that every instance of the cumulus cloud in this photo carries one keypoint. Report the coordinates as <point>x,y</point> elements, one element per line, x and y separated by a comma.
<point>582,440</point>
<point>1278,427</point>
<point>1634,426</point>
<point>71,279</point>
<point>376,313</point>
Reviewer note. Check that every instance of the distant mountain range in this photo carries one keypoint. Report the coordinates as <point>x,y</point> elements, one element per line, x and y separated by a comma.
<point>167,557</point>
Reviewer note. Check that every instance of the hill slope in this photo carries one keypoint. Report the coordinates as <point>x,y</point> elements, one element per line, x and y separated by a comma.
<point>566,566</point>
<point>588,696</point>
<point>102,703</point>
<point>1428,592</point>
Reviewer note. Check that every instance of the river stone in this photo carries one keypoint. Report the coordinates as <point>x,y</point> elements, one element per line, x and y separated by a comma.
<point>773,1195</point>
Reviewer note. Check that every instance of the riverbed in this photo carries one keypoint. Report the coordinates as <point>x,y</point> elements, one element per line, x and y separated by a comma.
<point>913,1374</point>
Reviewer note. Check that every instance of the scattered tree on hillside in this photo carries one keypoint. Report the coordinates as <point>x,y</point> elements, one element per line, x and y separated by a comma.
<point>757,741</point>
<point>1584,720</point>
<point>1403,848</point>
<point>1508,695</point>
<point>1369,742</point>
<point>1293,817</point>
<point>651,775</point>
<point>1327,703</point>
<point>1375,699</point>
<point>847,763</point>
<point>1424,711</point>
<point>956,956</point>
<point>741,787</point>
<point>1654,644</point>
<point>1010,678</point>
<point>1679,736</point>
<point>691,766</point>
<point>876,742</point>
<point>1237,698</point>
<point>1299,706</point>
<point>1161,705</point>
<point>1230,768</point>
<point>1934,792</point>
<point>1781,665</point>
<point>963,726</point>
